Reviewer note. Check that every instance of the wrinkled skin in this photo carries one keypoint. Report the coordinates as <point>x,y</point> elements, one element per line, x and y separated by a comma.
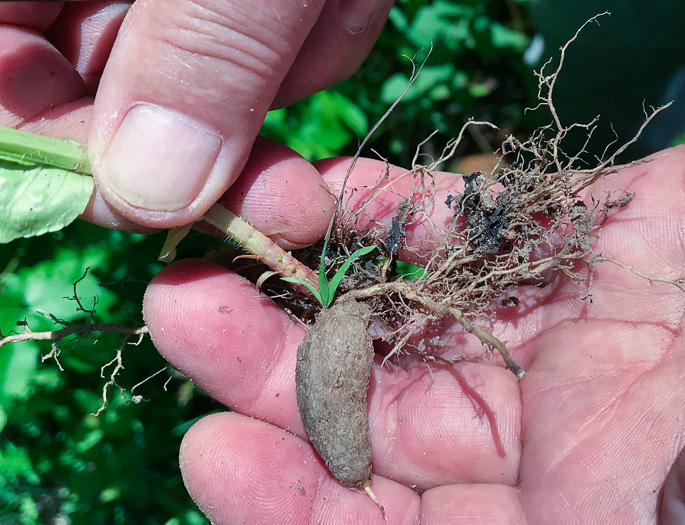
<point>588,436</point>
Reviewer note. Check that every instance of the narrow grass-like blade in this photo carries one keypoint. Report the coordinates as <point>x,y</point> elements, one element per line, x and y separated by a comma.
<point>333,285</point>
<point>314,291</point>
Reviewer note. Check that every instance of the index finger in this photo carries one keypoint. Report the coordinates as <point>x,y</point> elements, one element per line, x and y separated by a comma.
<point>429,426</point>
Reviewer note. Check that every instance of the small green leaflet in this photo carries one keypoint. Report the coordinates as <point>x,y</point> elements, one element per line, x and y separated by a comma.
<point>38,199</point>
<point>44,183</point>
<point>326,291</point>
<point>314,291</point>
<point>333,285</point>
<point>409,271</point>
<point>173,237</point>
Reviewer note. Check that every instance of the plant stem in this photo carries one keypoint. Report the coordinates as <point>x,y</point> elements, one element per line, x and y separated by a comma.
<point>261,246</point>
<point>22,147</point>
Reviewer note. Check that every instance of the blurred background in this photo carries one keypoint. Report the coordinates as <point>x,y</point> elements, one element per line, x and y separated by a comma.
<point>60,464</point>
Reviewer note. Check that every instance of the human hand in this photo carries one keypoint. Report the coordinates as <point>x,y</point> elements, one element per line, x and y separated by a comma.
<point>587,436</point>
<point>180,96</point>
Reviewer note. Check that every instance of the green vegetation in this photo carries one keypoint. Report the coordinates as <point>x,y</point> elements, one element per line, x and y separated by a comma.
<point>476,69</point>
<point>326,292</point>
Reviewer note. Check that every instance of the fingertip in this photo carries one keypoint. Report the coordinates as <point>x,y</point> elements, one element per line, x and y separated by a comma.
<point>282,195</point>
<point>98,211</point>
<point>242,470</point>
<point>339,42</point>
<point>85,33</point>
<point>391,185</point>
<point>157,164</point>
<point>230,339</point>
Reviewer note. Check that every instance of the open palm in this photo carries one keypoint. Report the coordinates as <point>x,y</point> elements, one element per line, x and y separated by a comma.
<point>587,436</point>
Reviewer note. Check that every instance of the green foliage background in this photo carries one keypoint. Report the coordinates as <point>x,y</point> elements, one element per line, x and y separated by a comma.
<point>61,464</point>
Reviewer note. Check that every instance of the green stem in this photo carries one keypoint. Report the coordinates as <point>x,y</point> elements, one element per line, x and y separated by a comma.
<point>259,245</point>
<point>22,147</point>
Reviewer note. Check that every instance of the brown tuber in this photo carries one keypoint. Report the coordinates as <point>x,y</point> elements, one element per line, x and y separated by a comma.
<point>332,376</point>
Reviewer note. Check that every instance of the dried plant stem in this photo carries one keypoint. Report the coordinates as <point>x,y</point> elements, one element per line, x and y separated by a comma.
<point>367,488</point>
<point>439,309</point>
<point>71,329</point>
<point>678,283</point>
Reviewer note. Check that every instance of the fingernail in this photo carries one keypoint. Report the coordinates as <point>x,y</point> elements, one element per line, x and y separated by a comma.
<point>357,14</point>
<point>160,159</point>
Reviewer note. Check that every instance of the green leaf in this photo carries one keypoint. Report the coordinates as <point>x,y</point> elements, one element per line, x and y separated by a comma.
<point>503,37</point>
<point>48,285</point>
<point>429,79</point>
<point>333,285</point>
<point>314,291</point>
<point>173,237</point>
<point>410,271</point>
<point>15,463</point>
<point>35,199</point>
<point>18,364</point>
<point>319,126</point>
<point>323,282</point>
<point>91,439</point>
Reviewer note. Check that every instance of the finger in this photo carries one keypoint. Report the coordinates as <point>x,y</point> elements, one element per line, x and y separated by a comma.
<point>33,15</point>
<point>282,195</point>
<point>98,211</point>
<point>278,192</point>
<point>34,76</point>
<point>240,470</point>
<point>182,98</point>
<point>428,426</point>
<point>84,33</point>
<point>471,504</point>
<point>232,345</point>
<point>335,48</point>
<point>673,503</point>
<point>426,229</point>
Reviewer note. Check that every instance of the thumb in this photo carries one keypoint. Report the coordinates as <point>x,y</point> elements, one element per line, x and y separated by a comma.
<point>183,96</point>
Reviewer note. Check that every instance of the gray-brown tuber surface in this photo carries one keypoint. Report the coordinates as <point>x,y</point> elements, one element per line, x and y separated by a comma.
<point>332,377</point>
